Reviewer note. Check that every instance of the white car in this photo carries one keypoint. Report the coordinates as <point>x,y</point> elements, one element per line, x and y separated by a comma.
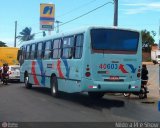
<point>14,72</point>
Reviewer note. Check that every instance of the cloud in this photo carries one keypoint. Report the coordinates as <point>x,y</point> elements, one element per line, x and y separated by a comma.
<point>137,8</point>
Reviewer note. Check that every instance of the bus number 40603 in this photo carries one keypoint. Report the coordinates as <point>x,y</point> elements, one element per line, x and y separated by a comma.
<point>108,66</point>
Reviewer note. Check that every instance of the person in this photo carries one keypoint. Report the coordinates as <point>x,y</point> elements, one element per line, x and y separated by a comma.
<point>1,73</point>
<point>4,70</point>
<point>144,78</point>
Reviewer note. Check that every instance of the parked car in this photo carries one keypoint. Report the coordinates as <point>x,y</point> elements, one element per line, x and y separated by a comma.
<point>14,72</point>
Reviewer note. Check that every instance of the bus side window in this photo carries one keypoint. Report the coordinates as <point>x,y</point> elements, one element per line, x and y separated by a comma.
<point>79,46</point>
<point>24,52</point>
<point>39,50</point>
<point>28,52</point>
<point>68,44</point>
<point>56,51</point>
<point>47,48</point>
<point>32,54</point>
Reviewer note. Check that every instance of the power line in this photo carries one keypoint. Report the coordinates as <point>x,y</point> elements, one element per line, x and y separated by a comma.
<point>86,13</point>
<point>75,9</point>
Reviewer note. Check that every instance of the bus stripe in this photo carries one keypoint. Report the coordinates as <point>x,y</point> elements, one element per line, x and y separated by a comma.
<point>132,68</point>
<point>40,64</point>
<point>59,69</point>
<point>67,67</point>
<point>34,73</point>
<point>123,70</point>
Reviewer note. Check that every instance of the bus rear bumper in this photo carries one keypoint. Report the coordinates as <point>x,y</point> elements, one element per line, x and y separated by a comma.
<point>100,86</point>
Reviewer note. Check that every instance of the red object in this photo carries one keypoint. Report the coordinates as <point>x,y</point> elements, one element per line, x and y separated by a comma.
<point>88,74</point>
<point>121,67</point>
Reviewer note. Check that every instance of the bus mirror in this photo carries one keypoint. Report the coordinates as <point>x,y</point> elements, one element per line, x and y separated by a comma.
<point>19,54</point>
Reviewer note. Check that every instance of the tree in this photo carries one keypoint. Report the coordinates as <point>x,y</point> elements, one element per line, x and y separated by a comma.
<point>2,44</point>
<point>147,40</point>
<point>26,35</point>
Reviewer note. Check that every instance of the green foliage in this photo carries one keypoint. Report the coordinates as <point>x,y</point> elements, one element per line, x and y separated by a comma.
<point>26,35</point>
<point>147,40</point>
<point>2,44</point>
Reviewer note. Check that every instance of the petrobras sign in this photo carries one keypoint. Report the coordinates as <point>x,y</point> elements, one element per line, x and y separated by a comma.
<point>47,16</point>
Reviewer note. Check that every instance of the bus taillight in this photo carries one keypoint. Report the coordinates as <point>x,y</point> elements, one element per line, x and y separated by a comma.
<point>139,73</point>
<point>88,74</point>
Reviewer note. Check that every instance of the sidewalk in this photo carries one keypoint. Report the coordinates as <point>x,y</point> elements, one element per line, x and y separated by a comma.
<point>153,83</point>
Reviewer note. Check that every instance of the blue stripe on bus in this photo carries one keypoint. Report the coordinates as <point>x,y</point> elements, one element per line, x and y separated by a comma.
<point>132,68</point>
<point>40,64</point>
<point>67,67</point>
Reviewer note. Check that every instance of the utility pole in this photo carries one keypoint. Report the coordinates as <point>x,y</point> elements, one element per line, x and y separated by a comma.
<point>15,36</point>
<point>58,25</point>
<point>115,13</point>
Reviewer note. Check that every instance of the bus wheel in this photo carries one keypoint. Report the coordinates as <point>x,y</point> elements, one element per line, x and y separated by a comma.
<point>54,87</point>
<point>26,81</point>
<point>96,95</point>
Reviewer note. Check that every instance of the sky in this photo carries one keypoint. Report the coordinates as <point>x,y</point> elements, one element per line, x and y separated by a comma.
<point>133,14</point>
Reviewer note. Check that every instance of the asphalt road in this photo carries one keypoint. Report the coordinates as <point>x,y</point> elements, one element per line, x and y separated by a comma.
<point>18,104</point>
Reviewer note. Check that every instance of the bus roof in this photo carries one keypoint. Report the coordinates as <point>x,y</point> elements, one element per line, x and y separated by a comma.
<point>72,32</point>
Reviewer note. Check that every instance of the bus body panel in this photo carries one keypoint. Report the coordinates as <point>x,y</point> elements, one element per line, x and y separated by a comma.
<point>68,73</point>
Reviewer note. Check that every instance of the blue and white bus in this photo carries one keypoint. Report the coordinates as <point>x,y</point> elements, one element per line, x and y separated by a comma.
<point>94,59</point>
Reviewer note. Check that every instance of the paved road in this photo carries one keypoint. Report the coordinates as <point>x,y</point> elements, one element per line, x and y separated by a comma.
<point>36,105</point>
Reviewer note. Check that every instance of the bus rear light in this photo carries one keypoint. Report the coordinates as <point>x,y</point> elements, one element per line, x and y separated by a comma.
<point>134,87</point>
<point>91,86</point>
<point>88,74</point>
<point>87,69</point>
<point>138,74</point>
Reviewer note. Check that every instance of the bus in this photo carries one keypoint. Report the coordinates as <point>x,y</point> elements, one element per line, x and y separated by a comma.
<point>94,59</point>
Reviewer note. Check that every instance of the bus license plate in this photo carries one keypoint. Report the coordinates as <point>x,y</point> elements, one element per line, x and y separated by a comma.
<point>114,77</point>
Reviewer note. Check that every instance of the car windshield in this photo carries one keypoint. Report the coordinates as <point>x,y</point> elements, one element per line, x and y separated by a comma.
<point>114,40</point>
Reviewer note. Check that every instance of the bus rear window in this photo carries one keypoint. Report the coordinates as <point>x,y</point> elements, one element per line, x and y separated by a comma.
<point>114,41</point>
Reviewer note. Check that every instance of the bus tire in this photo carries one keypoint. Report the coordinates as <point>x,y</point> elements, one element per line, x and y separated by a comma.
<point>96,95</point>
<point>26,81</point>
<point>54,87</point>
